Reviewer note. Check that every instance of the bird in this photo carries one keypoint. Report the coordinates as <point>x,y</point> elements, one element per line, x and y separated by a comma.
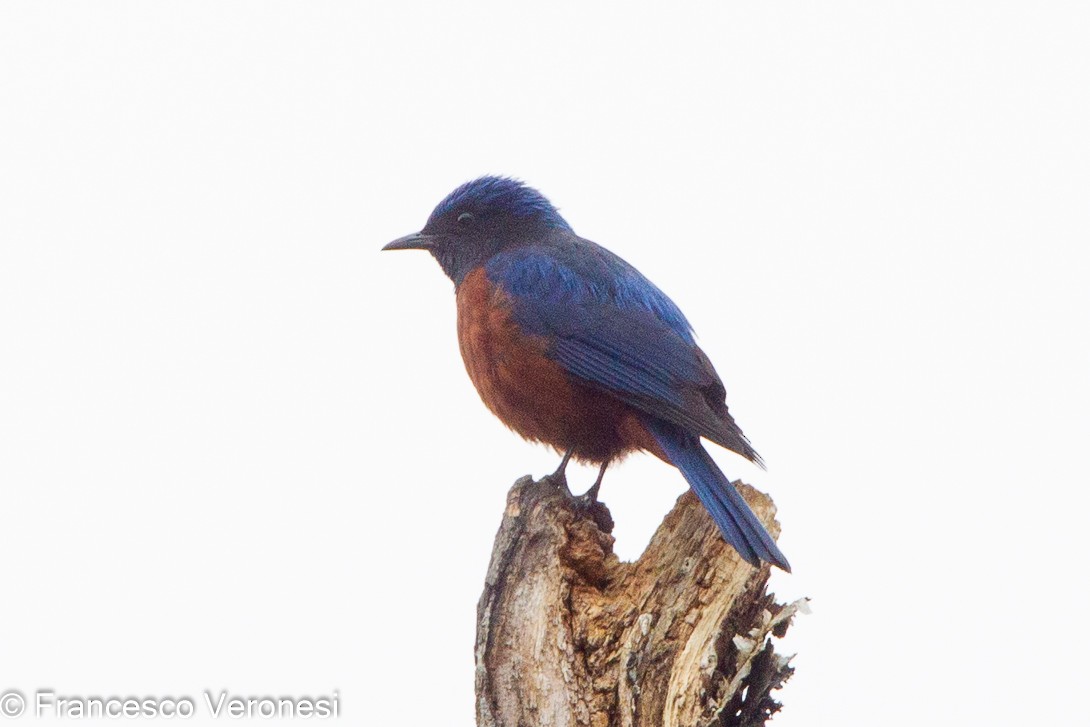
<point>571,346</point>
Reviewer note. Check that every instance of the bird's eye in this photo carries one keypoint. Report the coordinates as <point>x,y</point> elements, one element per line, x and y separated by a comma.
<point>466,218</point>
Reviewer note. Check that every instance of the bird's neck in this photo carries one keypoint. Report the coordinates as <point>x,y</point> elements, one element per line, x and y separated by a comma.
<point>456,266</point>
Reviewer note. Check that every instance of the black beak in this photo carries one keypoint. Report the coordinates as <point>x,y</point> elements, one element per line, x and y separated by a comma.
<point>415,241</point>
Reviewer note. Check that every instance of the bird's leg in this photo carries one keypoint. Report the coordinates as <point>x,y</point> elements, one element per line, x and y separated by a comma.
<point>559,476</point>
<point>588,502</point>
<point>591,495</point>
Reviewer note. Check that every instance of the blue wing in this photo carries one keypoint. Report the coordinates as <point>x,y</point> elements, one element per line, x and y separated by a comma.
<point>614,329</point>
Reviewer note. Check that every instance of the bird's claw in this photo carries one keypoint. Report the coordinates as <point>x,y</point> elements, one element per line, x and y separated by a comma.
<point>597,511</point>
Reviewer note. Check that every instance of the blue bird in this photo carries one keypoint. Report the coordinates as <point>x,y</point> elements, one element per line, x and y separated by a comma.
<point>571,346</point>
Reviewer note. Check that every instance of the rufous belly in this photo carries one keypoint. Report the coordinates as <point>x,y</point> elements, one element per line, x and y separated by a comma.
<point>531,393</point>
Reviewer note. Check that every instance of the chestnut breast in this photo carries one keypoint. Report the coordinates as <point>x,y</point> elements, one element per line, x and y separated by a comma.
<point>528,391</point>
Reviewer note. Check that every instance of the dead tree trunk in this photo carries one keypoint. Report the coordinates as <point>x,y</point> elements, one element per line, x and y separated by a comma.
<point>568,635</point>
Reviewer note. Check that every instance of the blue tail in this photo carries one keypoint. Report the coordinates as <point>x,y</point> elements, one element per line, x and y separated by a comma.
<point>739,525</point>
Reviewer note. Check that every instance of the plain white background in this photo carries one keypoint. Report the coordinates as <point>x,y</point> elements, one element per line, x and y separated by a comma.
<point>238,449</point>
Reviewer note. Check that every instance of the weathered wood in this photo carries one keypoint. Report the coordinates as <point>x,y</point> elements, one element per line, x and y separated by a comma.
<point>568,635</point>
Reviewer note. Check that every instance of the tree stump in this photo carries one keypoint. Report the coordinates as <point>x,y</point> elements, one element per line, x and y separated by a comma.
<point>568,635</point>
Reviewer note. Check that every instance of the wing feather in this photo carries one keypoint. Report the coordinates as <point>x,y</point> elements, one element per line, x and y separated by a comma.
<point>615,330</point>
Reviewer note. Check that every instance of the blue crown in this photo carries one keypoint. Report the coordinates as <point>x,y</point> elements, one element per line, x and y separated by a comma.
<point>501,195</point>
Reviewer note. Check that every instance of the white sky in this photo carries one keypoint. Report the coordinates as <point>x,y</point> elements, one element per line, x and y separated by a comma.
<point>238,448</point>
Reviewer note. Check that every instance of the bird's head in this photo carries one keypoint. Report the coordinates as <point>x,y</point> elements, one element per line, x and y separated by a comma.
<point>479,219</point>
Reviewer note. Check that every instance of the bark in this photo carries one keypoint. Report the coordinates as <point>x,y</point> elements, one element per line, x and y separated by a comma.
<point>569,635</point>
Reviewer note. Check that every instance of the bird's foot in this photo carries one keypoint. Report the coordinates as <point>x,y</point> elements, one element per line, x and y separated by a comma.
<point>590,497</point>
<point>588,502</point>
<point>597,511</point>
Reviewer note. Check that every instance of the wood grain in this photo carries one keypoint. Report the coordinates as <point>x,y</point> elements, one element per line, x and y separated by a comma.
<point>567,634</point>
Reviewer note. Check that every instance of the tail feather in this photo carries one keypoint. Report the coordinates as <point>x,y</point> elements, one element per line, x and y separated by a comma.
<point>728,509</point>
